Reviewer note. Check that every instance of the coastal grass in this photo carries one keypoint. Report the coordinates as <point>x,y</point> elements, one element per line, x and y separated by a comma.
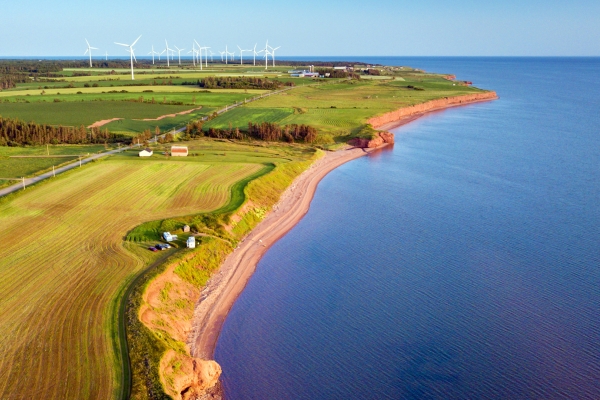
<point>61,285</point>
<point>341,109</point>
<point>222,228</point>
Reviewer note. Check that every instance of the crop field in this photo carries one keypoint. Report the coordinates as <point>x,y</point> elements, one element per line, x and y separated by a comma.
<point>85,113</point>
<point>26,167</point>
<point>63,264</point>
<point>240,117</point>
<point>131,89</point>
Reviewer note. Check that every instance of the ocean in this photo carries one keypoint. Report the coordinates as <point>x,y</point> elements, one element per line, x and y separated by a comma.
<point>461,263</point>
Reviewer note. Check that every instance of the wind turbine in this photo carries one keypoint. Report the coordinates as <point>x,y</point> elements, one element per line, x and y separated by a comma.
<point>132,56</point>
<point>89,50</point>
<point>199,52</point>
<point>242,55</point>
<point>211,56</point>
<point>160,54</point>
<point>107,56</point>
<point>167,49</point>
<point>256,53</point>
<point>267,55</point>
<point>179,53</point>
<point>227,53</point>
<point>273,53</point>
<point>206,58</point>
<point>193,51</point>
<point>153,53</point>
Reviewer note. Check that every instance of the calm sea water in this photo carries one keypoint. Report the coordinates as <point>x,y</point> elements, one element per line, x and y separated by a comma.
<point>463,263</point>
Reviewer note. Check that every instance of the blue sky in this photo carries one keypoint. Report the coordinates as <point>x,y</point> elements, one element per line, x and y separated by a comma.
<point>308,27</point>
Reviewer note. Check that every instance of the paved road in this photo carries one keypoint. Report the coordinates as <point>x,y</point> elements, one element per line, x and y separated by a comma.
<point>35,179</point>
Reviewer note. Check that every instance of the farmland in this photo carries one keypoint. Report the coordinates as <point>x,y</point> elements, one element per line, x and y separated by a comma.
<point>341,109</point>
<point>50,156</point>
<point>63,252</point>
<point>74,248</point>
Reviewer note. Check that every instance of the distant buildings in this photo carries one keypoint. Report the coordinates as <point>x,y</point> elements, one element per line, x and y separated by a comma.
<point>303,74</point>
<point>147,152</point>
<point>179,151</point>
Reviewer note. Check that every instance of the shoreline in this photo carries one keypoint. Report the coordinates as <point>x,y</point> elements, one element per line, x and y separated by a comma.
<point>223,289</point>
<point>402,116</point>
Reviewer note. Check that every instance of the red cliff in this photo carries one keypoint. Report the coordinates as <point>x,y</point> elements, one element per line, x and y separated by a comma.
<point>432,105</point>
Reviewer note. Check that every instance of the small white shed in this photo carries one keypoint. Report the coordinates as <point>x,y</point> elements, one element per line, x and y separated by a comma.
<point>191,242</point>
<point>147,152</point>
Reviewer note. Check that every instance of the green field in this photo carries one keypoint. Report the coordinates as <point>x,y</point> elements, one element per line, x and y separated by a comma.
<point>340,109</point>
<point>63,252</point>
<point>27,167</point>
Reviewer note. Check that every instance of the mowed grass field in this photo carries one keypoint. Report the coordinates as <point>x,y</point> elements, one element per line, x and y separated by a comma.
<point>63,266</point>
<point>341,108</point>
<point>11,167</point>
<point>87,108</point>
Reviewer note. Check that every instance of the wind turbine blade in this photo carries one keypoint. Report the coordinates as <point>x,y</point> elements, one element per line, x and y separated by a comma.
<point>94,48</point>
<point>88,43</point>
<point>86,51</point>
<point>121,44</point>
<point>133,44</point>
<point>133,54</point>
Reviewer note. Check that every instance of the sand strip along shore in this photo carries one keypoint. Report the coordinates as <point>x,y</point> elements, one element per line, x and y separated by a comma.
<point>222,290</point>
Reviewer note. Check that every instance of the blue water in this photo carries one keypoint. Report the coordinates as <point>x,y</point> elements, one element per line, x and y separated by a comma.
<point>463,263</point>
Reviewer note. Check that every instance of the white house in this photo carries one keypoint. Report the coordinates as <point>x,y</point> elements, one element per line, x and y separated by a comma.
<point>191,242</point>
<point>147,152</point>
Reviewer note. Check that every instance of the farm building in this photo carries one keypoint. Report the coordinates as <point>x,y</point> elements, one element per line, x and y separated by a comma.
<point>179,151</point>
<point>186,228</point>
<point>191,242</point>
<point>147,152</point>
<point>169,237</point>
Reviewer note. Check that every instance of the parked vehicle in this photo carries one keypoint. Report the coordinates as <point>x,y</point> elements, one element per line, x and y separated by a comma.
<point>152,249</point>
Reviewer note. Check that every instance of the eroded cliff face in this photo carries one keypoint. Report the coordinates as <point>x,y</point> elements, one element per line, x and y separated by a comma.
<point>412,111</point>
<point>188,378</point>
<point>407,112</point>
<point>167,309</point>
<point>384,137</point>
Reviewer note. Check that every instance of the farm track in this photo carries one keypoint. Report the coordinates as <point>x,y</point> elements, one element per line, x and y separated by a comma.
<point>62,264</point>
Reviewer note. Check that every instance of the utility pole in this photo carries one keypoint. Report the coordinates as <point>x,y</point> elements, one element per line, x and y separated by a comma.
<point>79,161</point>
<point>23,183</point>
<point>47,149</point>
<point>53,172</point>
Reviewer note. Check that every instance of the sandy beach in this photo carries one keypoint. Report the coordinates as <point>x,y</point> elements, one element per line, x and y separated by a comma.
<point>222,290</point>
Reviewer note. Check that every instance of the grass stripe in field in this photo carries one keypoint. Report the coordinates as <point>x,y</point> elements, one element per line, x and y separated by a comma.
<point>130,89</point>
<point>62,263</point>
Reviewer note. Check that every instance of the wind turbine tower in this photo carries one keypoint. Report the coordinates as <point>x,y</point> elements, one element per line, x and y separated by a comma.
<point>89,50</point>
<point>167,49</point>
<point>273,54</point>
<point>179,53</point>
<point>153,53</point>
<point>131,55</point>
<point>242,55</point>
<point>256,53</point>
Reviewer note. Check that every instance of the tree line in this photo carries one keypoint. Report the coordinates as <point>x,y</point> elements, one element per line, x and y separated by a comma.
<point>267,131</point>
<point>14,132</point>
<point>229,82</point>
